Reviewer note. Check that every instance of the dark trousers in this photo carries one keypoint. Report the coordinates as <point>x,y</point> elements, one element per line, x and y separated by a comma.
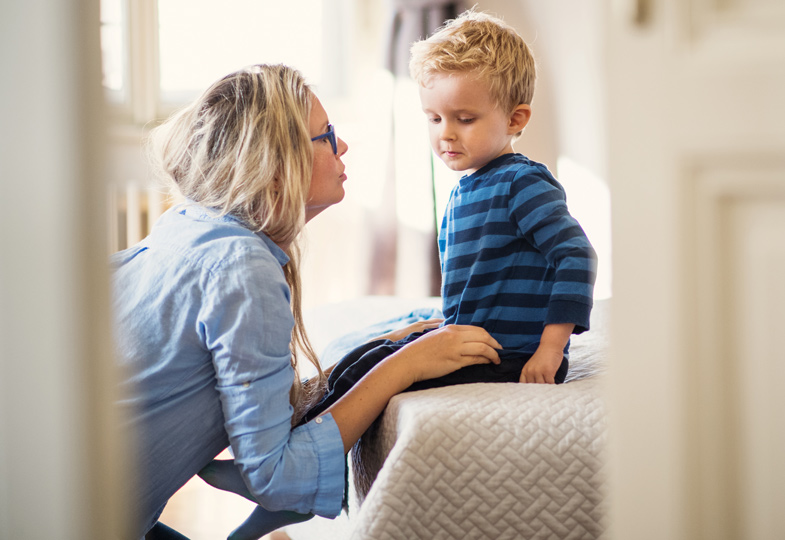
<point>352,367</point>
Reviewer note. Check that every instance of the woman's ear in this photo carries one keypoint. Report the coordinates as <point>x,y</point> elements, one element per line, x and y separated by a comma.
<point>519,118</point>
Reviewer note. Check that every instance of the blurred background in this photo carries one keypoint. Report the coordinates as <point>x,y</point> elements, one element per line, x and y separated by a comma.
<point>381,240</point>
<point>673,107</point>
<point>158,56</point>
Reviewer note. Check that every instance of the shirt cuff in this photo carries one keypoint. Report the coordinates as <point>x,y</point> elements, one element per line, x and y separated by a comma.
<point>565,311</point>
<point>332,465</point>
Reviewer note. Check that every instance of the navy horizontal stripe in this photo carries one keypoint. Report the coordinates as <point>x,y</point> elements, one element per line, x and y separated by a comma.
<point>523,300</point>
<point>475,233</point>
<point>581,276</point>
<point>518,328</point>
<point>471,209</point>
<point>485,254</point>
<point>537,204</point>
<point>563,238</point>
<point>483,284</point>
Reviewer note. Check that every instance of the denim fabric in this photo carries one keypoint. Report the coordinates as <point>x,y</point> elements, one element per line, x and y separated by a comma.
<point>203,326</point>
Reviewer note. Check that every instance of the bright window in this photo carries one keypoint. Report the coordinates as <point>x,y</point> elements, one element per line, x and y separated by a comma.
<point>113,49</point>
<point>161,54</point>
<point>202,40</point>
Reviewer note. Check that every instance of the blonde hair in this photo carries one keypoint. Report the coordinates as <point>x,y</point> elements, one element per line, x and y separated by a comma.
<point>485,46</point>
<point>244,149</point>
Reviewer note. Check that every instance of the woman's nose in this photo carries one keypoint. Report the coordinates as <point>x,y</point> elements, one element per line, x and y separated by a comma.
<point>342,147</point>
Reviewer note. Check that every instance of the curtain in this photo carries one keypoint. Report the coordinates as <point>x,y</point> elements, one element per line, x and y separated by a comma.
<point>405,260</point>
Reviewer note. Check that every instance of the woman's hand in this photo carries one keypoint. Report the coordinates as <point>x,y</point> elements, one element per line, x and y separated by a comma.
<point>447,349</point>
<point>419,326</point>
<point>437,353</point>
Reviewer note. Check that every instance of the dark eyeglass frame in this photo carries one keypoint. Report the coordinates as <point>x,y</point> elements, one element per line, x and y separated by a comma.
<point>330,136</point>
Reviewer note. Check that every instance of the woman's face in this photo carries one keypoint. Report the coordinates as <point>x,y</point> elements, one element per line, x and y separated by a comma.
<point>328,169</point>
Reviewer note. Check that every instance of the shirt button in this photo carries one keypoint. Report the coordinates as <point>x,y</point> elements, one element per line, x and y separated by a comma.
<point>246,384</point>
<point>318,420</point>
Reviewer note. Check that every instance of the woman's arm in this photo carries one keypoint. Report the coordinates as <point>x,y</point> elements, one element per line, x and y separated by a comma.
<point>397,335</point>
<point>400,333</point>
<point>437,353</point>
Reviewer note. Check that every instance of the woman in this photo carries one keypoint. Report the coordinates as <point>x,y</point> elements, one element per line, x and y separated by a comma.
<point>207,307</point>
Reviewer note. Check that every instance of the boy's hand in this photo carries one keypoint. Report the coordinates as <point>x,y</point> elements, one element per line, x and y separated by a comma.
<point>543,365</point>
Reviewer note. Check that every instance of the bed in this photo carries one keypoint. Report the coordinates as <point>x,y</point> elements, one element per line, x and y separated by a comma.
<point>474,461</point>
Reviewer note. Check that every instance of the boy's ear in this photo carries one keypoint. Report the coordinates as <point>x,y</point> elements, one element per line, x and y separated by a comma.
<point>519,118</point>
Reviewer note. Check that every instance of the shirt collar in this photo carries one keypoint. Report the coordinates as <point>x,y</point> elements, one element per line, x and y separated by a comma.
<point>197,211</point>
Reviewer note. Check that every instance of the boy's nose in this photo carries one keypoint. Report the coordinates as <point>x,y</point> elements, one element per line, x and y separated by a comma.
<point>447,133</point>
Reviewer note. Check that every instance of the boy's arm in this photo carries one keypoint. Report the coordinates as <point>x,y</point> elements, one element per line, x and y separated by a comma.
<point>543,365</point>
<point>539,208</point>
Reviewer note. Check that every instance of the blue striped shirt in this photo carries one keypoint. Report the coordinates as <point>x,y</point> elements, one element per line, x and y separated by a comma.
<point>513,258</point>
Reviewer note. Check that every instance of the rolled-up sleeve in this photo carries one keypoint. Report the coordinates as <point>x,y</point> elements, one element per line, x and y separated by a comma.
<point>246,324</point>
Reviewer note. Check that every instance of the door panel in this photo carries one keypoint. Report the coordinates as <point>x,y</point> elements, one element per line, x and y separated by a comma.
<point>697,174</point>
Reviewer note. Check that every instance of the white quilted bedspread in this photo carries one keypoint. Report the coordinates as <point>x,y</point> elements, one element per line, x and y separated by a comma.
<point>489,461</point>
<point>495,461</point>
<point>485,461</point>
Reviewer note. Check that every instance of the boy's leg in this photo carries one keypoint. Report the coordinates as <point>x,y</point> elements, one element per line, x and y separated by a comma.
<point>352,368</point>
<point>561,373</point>
<point>508,371</point>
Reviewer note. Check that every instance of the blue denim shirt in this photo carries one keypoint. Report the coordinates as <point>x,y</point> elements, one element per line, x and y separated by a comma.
<point>203,326</point>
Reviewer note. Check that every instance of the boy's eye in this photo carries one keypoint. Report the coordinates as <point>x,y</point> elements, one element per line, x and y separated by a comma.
<point>466,120</point>
<point>434,119</point>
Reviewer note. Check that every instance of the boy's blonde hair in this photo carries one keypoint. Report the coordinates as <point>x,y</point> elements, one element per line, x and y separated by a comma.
<point>244,149</point>
<point>484,46</point>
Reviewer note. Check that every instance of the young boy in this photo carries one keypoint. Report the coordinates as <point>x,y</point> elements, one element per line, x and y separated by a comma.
<point>513,259</point>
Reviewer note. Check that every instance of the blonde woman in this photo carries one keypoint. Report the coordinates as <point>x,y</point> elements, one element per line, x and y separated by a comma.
<point>207,308</point>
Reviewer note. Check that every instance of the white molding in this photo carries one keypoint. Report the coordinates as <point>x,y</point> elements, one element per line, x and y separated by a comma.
<point>719,192</point>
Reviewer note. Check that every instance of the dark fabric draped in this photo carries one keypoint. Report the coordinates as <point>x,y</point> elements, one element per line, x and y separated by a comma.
<point>407,21</point>
<point>410,21</point>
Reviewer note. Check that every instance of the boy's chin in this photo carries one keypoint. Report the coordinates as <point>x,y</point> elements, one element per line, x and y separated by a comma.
<point>454,166</point>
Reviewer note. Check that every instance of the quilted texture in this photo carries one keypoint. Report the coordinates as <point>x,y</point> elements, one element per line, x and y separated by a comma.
<point>489,461</point>
<point>485,461</point>
<point>479,461</point>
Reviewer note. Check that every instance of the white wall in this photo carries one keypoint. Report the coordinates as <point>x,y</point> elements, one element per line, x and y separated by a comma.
<point>55,470</point>
<point>569,109</point>
<point>567,131</point>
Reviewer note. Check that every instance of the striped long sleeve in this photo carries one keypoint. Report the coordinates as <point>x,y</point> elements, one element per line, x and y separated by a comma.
<point>513,258</point>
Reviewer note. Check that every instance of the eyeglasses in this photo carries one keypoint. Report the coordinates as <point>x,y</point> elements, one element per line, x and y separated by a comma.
<point>330,136</point>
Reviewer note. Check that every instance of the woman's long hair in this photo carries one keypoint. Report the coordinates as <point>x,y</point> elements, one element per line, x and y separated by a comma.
<point>244,149</point>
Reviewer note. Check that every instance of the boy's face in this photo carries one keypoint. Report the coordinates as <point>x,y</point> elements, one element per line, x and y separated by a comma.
<point>466,127</point>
